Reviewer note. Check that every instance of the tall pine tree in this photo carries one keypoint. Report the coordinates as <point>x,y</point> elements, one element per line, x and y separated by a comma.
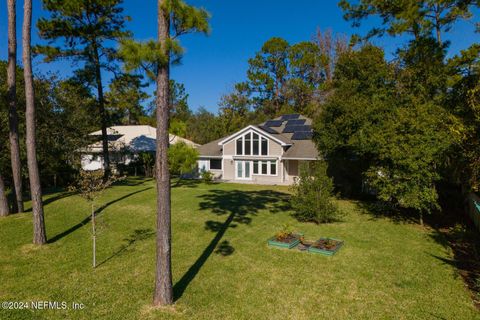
<point>175,18</point>
<point>85,27</point>
<point>39,234</point>
<point>12,110</point>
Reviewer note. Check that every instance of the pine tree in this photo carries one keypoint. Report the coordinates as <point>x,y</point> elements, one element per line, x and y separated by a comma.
<point>12,111</point>
<point>3,199</point>
<point>175,18</point>
<point>39,235</point>
<point>85,27</point>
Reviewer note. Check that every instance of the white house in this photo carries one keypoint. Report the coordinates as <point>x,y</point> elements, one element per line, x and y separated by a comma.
<point>268,153</point>
<point>124,145</point>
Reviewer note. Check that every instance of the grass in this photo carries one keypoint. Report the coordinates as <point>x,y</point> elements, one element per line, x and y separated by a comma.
<point>222,267</point>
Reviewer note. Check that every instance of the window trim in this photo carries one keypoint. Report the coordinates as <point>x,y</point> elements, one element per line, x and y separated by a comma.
<point>269,171</point>
<point>210,164</point>
<point>260,144</point>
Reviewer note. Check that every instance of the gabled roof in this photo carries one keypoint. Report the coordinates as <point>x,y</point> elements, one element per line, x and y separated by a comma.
<point>211,149</point>
<point>258,130</point>
<point>134,137</point>
<point>294,148</point>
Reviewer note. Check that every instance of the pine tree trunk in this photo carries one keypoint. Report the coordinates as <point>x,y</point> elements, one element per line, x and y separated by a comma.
<point>3,199</point>
<point>12,110</point>
<point>103,114</point>
<point>163,278</point>
<point>94,237</point>
<point>39,236</point>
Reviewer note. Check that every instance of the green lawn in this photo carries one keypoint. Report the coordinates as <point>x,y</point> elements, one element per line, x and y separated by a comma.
<point>222,268</point>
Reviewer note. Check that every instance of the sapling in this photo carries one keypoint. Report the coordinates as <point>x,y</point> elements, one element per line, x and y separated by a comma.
<point>90,185</point>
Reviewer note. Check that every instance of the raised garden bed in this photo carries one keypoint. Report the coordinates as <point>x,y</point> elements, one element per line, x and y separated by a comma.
<point>325,246</point>
<point>289,241</point>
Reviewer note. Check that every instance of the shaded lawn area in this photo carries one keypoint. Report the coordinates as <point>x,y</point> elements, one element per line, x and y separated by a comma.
<point>222,267</point>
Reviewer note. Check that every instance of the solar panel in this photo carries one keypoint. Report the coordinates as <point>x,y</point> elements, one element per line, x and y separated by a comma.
<point>302,135</point>
<point>290,116</point>
<point>273,123</point>
<point>268,129</point>
<point>292,129</point>
<point>295,122</point>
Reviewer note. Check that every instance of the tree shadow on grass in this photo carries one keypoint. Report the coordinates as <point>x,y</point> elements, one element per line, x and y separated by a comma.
<point>132,182</point>
<point>379,209</point>
<point>185,183</point>
<point>59,196</point>
<point>89,217</point>
<point>239,207</point>
<point>464,243</point>
<point>137,235</point>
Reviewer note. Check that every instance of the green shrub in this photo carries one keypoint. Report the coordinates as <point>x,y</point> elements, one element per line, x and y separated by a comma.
<point>206,176</point>
<point>313,198</point>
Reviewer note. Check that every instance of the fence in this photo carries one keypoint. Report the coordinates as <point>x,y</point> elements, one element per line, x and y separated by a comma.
<point>473,208</point>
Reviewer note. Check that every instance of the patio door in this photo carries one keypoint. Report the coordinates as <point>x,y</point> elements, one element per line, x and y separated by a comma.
<point>243,169</point>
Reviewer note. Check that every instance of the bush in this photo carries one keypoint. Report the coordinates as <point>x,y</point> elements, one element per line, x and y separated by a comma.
<point>182,159</point>
<point>312,198</point>
<point>206,176</point>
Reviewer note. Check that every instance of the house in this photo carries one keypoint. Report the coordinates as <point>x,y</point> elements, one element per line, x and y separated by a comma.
<point>124,145</point>
<point>269,153</point>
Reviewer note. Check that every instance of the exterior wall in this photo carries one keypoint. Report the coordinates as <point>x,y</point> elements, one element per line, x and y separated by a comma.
<point>229,148</point>
<point>291,170</point>
<point>275,151</point>
<point>263,179</point>
<point>217,174</point>
<point>228,169</point>
<point>203,164</point>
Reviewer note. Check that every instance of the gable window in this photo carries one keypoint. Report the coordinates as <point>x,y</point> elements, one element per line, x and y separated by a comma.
<point>240,146</point>
<point>251,143</point>
<point>216,164</point>
<point>255,146</point>
<point>248,143</point>
<point>264,146</point>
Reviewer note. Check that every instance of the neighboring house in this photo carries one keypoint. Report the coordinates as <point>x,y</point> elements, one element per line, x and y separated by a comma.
<point>124,145</point>
<point>269,153</point>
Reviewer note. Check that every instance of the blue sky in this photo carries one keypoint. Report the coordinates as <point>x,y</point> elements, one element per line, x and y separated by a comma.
<point>212,64</point>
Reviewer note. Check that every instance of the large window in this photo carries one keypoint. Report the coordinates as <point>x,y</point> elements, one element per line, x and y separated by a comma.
<point>215,164</point>
<point>264,147</point>
<point>266,168</point>
<point>273,168</point>
<point>256,144</point>
<point>248,144</point>
<point>251,143</point>
<point>240,146</point>
<point>255,167</point>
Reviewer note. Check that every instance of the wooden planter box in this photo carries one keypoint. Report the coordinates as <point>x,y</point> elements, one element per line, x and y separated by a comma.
<point>292,244</point>
<point>327,252</point>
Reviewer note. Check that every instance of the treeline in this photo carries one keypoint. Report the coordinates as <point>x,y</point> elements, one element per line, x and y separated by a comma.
<point>409,127</point>
<point>405,130</point>
<point>281,78</point>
